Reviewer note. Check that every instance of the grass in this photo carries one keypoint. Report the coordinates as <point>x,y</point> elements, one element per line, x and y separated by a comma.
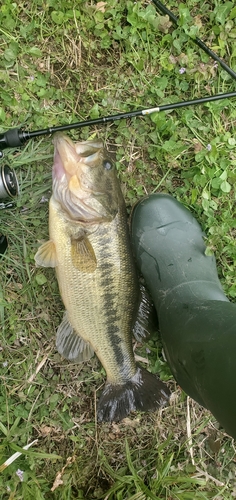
<point>67,61</point>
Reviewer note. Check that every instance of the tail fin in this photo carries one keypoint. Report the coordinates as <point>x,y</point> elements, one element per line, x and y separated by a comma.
<point>143,392</point>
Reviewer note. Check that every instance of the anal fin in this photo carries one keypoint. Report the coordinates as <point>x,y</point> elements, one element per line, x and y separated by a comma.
<point>70,345</point>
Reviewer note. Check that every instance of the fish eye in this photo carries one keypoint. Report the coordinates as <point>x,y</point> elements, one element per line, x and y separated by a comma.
<point>107,165</point>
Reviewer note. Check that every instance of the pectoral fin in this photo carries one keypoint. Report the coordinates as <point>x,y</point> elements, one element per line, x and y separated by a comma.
<point>83,256</point>
<point>46,255</point>
<point>70,345</point>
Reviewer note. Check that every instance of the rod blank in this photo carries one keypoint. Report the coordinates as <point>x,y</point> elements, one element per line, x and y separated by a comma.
<point>17,137</point>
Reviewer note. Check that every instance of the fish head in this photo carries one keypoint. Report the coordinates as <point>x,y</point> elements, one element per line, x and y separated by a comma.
<point>84,180</point>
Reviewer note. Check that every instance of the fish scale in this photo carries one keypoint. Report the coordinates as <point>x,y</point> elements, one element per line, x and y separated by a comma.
<point>90,249</point>
<point>112,296</point>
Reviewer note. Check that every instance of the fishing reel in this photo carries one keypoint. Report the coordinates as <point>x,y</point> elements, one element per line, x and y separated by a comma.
<point>9,189</point>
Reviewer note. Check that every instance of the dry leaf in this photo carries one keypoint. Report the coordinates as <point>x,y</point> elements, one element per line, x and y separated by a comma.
<point>164,24</point>
<point>101,6</point>
<point>132,423</point>
<point>197,146</point>
<point>58,481</point>
<point>45,430</point>
<point>141,359</point>
<point>116,428</point>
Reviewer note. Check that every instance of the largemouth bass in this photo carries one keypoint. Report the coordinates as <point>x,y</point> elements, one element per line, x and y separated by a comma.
<point>90,249</point>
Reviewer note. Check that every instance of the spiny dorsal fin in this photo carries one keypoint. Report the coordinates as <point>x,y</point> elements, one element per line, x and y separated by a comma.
<point>146,321</point>
<point>70,345</point>
<point>46,255</point>
<point>83,256</point>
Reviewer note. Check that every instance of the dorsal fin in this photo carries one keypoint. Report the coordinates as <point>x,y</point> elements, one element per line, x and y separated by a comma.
<point>146,321</point>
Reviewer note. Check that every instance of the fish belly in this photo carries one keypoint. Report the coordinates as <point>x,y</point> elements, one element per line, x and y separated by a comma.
<point>102,304</point>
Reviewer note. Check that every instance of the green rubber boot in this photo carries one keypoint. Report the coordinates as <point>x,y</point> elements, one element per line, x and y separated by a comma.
<point>196,320</point>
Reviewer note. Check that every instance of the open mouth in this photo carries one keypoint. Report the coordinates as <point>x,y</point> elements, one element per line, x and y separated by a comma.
<point>65,157</point>
<point>74,183</point>
<point>69,156</point>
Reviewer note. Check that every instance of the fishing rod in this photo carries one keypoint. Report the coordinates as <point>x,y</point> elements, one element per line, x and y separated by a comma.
<point>16,137</point>
<point>164,10</point>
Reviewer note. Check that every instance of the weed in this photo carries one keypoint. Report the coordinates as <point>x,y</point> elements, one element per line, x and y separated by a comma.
<point>66,61</point>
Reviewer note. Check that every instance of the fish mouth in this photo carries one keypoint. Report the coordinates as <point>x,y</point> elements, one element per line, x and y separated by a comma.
<point>69,156</point>
<point>73,181</point>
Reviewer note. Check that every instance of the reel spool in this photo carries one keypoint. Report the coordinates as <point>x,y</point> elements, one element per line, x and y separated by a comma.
<point>9,189</point>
